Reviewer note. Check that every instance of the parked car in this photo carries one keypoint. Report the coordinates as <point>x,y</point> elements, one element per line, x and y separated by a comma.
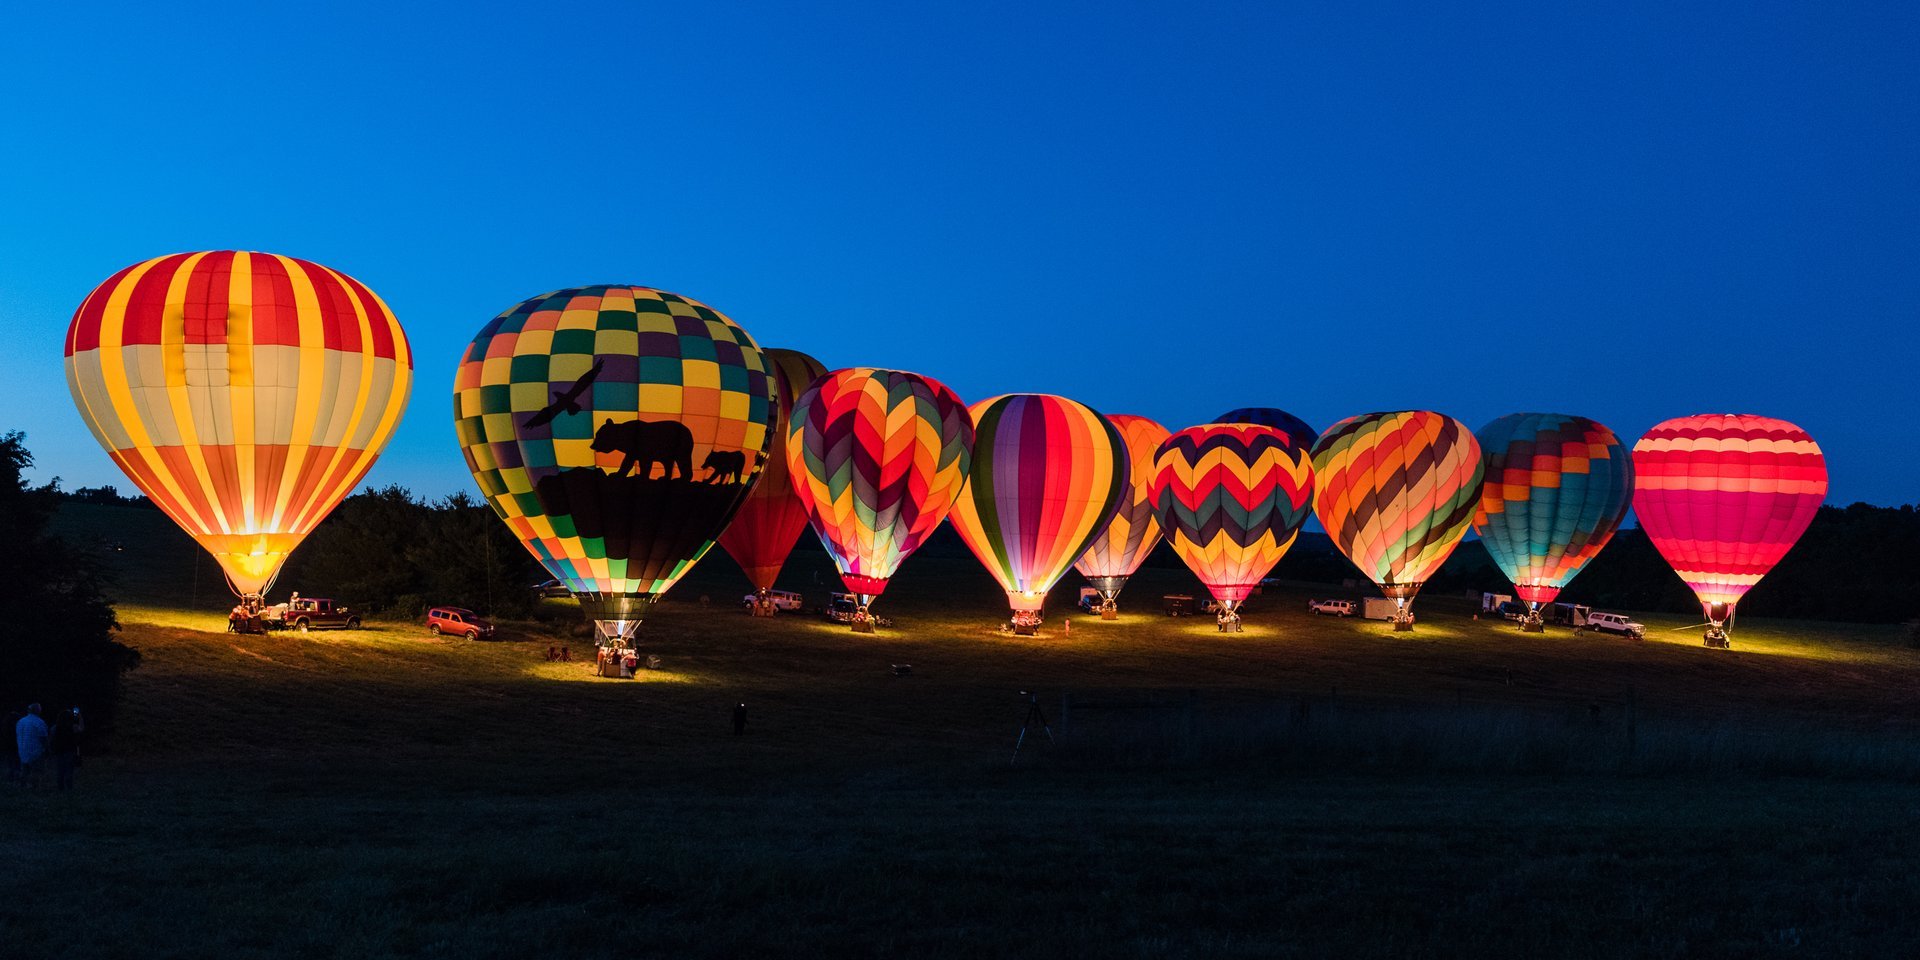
<point>1616,623</point>
<point>785,601</point>
<point>1335,608</point>
<point>459,621</point>
<point>841,607</point>
<point>311,613</point>
<point>1180,605</point>
<point>1511,610</point>
<point>552,588</point>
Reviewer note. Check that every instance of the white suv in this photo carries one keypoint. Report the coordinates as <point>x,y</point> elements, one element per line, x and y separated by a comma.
<point>1616,623</point>
<point>785,601</point>
<point>1338,608</point>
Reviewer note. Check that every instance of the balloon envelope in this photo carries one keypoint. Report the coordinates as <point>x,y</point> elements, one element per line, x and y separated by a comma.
<point>244,393</point>
<point>1119,548</point>
<point>1556,489</point>
<point>763,532</point>
<point>1280,420</point>
<point>1396,492</point>
<point>1047,475</point>
<point>1230,499</point>
<point>615,429</point>
<point>878,457</point>
<point>1724,496</point>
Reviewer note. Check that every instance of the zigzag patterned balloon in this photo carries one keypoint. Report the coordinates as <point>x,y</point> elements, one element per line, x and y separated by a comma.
<point>878,456</point>
<point>1230,498</point>
<point>1397,492</point>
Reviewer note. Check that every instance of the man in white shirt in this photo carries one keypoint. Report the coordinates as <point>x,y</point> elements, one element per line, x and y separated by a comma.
<point>30,735</point>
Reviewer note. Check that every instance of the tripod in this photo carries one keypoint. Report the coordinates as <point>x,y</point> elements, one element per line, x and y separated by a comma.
<point>1035,717</point>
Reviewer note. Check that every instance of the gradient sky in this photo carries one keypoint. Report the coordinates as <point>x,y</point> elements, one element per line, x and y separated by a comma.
<point>1629,213</point>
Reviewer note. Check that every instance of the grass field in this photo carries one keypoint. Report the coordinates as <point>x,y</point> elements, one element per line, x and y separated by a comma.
<point>1311,787</point>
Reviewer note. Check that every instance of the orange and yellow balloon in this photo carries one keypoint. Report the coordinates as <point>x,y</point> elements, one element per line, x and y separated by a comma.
<point>244,393</point>
<point>1118,551</point>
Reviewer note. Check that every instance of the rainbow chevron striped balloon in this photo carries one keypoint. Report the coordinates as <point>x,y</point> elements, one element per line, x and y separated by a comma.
<point>1047,475</point>
<point>1723,497</point>
<point>1119,549</point>
<point>771,518</point>
<point>245,394</point>
<point>878,457</point>
<point>1230,498</point>
<point>1396,492</point>
<point>1557,487</point>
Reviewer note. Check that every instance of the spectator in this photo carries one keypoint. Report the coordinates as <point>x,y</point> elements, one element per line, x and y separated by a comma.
<point>30,738</point>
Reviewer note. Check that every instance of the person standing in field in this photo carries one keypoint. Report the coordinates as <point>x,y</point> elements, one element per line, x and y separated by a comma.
<point>30,738</point>
<point>64,743</point>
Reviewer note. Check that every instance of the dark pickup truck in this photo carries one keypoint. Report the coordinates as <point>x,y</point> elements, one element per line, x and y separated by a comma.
<point>312,613</point>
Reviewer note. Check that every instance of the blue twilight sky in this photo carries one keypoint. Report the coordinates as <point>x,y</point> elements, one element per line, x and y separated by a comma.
<point>1624,211</point>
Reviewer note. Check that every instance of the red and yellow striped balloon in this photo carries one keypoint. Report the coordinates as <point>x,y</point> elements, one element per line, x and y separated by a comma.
<point>1119,549</point>
<point>1047,475</point>
<point>1723,497</point>
<point>1396,492</point>
<point>246,394</point>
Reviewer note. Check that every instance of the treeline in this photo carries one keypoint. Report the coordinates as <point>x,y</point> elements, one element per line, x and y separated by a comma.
<point>388,550</point>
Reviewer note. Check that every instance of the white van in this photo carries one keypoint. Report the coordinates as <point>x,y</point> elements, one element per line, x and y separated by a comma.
<point>1338,608</point>
<point>1616,623</point>
<point>785,601</point>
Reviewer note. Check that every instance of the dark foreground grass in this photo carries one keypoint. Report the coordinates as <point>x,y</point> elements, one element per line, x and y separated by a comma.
<point>1311,788</point>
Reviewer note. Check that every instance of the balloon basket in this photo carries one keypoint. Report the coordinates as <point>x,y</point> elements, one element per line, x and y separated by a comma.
<point>1403,625</point>
<point>1718,639</point>
<point>1533,625</point>
<point>763,609</point>
<point>1026,623</point>
<point>1109,613</point>
<point>862,624</point>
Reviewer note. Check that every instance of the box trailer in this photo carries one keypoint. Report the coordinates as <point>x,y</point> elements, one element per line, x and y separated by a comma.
<point>1380,608</point>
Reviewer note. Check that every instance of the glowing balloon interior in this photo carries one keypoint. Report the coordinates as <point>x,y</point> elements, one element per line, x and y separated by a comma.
<point>763,532</point>
<point>245,394</point>
<point>1119,549</point>
<point>1557,488</point>
<point>1396,492</point>
<point>1230,498</point>
<point>1723,497</point>
<point>1047,475</point>
<point>615,429</point>
<point>878,457</point>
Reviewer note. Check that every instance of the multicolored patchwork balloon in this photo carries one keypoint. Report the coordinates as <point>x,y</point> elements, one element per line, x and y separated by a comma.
<point>1396,492</point>
<point>245,394</point>
<point>1230,498</point>
<point>763,532</point>
<point>1557,487</point>
<point>878,457</point>
<point>1723,497</point>
<point>1276,418</point>
<point>1119,549</point>
<point>615,429</point>
<point>1047,475</point>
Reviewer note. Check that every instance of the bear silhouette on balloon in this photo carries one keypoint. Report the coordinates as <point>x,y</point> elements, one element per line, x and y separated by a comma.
<point>725,466</point>
<point>643,443</point>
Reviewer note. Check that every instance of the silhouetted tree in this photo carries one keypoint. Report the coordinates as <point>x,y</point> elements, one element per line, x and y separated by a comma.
<point>56,627</point>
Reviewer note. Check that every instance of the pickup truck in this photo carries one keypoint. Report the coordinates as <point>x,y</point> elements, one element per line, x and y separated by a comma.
<point>311,613</point>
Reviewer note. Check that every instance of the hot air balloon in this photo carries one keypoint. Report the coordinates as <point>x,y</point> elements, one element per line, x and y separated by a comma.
<point>1117,551</point>
<point>1396,492</point>
<point>615,429</point>
<point>244,393</point>
<point>1556,489</point>
<point>1276,418</point>
<point>878,457</point>
<point>1230,498</point>
<point>1723,497</point>
<point>762,533</point>
<point>1047,475</point>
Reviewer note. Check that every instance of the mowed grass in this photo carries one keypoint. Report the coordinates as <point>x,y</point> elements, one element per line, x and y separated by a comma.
<point>1310,787</point>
